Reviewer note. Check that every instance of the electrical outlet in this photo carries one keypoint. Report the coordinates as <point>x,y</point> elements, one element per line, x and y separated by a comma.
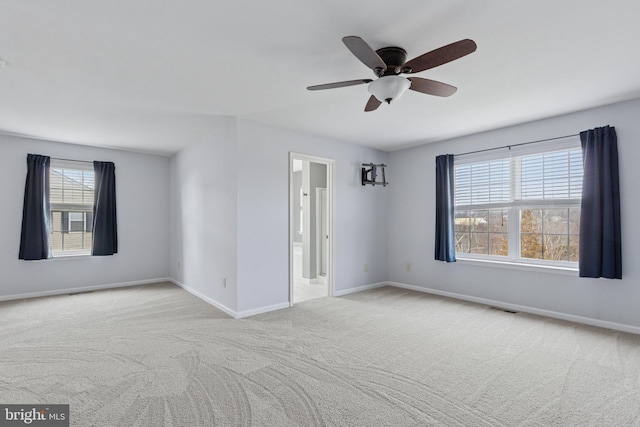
<point>224,282</point>
<point>179,265</point>
<point>408,266</point>
<point>366,268</point>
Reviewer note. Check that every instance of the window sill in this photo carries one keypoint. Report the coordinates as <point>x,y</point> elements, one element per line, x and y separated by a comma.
<point>60,256</point>
<point>567,271</point>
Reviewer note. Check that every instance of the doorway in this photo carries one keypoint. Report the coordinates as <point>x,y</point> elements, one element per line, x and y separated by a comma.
<point>310,227</point>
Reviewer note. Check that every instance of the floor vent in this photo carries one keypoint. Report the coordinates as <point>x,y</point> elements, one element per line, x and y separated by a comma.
<point>80,293</point>
<point>503,309</point>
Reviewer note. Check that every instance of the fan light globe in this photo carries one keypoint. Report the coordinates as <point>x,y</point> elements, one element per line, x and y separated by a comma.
<point>388,88</point>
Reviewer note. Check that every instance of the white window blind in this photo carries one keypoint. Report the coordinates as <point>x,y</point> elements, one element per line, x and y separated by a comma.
<point>522,179</point>
<point>72,183</point>
<point>482,183</point>
<point>548,176</point>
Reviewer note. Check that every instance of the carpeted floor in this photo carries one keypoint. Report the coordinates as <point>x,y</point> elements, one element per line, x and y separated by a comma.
<point>156,356</point>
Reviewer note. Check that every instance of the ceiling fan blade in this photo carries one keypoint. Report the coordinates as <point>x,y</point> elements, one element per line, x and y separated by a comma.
<point>372,104</point>
<point>431,87</point>
<point>364,53</point>
<point>339,84</point>
<point>440,56</point>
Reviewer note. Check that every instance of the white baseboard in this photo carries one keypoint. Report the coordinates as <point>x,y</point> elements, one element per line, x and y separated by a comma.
<point>82,289</point>
<point>206,299</point>
<point>359,289</point>
<point>227,310</point>
<point>260,310</point>
<point>525,309</point>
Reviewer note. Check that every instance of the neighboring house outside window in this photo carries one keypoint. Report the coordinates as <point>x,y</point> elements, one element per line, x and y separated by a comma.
<point>72,192</point>
<point>520,206</point>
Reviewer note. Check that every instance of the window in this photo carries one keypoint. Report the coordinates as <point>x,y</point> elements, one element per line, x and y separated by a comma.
<point>72,189</point>
<point>520,205</point>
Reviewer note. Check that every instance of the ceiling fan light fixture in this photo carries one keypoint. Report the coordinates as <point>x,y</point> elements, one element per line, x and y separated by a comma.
<point>388,88</point>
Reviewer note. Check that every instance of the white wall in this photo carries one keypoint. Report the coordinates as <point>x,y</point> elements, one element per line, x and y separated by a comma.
<point>224,200</point>
<point>143,217</point>
<point>263,214</point>
<point>203,215</point>
<point>412,223</point>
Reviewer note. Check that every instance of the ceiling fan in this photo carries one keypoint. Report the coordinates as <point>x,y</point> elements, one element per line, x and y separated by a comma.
<point>388,63</point>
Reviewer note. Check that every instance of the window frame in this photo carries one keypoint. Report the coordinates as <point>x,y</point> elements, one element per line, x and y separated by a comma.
<point>83,208</point>
<point>515,207</point>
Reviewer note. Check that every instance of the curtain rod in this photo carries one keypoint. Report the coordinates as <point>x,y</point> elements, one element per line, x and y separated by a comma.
<point>71,160</point>
<point>516,145</point>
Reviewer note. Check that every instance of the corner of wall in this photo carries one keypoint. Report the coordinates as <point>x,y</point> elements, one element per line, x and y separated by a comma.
<point>204,216</point>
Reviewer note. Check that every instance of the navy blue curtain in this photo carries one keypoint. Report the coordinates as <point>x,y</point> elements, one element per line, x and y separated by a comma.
<point>600,247</point>
<point>445,232</point>
<point>105,227</point>
<point>35,239</point>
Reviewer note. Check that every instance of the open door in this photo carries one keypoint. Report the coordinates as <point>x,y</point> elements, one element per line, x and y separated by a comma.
<point>311,181</point>
<point>322,233</point>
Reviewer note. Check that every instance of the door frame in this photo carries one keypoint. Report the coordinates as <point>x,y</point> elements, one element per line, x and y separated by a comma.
<point>330,165</point>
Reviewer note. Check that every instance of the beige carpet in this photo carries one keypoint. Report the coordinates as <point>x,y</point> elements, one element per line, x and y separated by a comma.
<point>156,356</point>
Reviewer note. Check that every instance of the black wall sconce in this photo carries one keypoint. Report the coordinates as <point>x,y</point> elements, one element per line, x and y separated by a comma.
<point>370,174</point>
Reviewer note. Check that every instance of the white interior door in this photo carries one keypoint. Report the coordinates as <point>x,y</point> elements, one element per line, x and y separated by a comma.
<point>324,232</point>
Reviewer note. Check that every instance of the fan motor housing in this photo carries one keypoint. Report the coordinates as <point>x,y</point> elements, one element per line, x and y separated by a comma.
<point>394,57</point>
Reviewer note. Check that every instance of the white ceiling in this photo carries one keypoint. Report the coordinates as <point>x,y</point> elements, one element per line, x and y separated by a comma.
<point>148,75</point>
